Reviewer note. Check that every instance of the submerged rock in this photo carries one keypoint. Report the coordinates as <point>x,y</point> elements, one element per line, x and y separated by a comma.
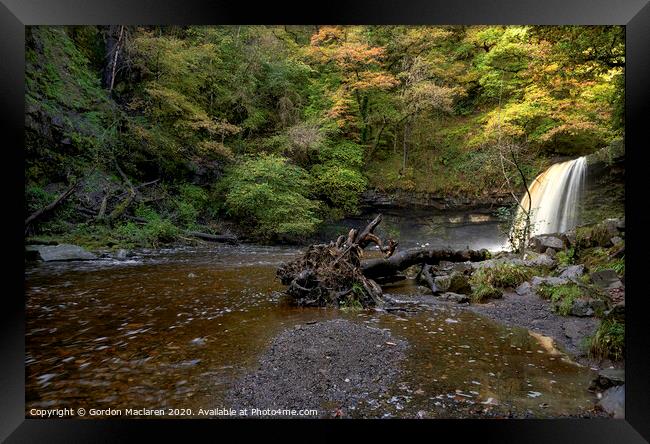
<point>61,252</point>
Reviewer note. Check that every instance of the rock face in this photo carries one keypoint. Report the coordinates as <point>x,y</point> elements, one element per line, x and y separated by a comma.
<point>61,252</point>
<point>613,401</point>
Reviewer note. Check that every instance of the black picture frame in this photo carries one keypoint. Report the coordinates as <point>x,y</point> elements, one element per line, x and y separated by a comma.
<point>634,14</point>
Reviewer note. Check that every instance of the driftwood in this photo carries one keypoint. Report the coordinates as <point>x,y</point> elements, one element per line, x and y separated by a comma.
<point>330,274</point>
<point>333,274</point>
<point>405,259</point>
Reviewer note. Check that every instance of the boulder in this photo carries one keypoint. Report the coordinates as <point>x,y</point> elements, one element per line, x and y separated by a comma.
<point>536,281</point>
<point>613,401</point>
<point>616,240</point>
<point>489,263</point>
<point>617,312</point>
<point>611,225</point>
<point>61,252</point>
<point>573,272</point>
<point>581,308</point>
<point>543,260</point>
<point>620,224</point>
<point>550,252</point>
<point>542,242</point>
<point>608,377</point>
<point>523,289</point>
<point>454,297</point>
<point>442,282</point>
<point>456,282</point>
<point>570,237</point>
<point>607,279</point>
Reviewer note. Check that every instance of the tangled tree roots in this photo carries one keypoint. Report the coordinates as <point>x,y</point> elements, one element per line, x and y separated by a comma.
<point>330,274</point>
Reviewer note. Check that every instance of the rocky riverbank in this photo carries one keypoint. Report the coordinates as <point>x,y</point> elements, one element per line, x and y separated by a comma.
<point>332,364</point>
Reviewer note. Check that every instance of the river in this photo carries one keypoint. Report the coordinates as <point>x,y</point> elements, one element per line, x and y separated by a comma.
<point>175,328</point>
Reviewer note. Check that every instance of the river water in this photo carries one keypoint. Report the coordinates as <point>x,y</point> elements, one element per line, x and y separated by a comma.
<point>173,329</point>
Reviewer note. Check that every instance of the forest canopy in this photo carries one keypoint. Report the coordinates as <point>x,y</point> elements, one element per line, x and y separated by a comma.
<point>278,128</point>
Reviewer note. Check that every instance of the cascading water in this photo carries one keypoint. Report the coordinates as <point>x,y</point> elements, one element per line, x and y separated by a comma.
<point>554,198</point>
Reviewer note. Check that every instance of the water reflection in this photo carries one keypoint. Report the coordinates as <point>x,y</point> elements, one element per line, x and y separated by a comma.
<point>175,329</point>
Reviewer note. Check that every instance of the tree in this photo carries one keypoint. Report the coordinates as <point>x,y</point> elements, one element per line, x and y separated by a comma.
<point>355,73</point>
<point>271,197</point>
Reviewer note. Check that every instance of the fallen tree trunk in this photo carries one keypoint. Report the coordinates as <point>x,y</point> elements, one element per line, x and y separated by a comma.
<point>55,203</point>
<point>122,206</point>
<point>333,274</point>
<point>226,238</point>
<point>388,266</point>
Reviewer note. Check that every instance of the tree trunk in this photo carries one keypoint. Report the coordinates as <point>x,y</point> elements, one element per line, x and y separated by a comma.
<point>333,274</point>
<point>407,132</point>
<point>114,39</point>
<point>389,266</point>
<point>63,196</point>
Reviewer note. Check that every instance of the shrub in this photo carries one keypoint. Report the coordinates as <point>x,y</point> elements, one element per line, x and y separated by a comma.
<point>483,291</point>
<point>345,153</point>
<point>338,185</point>
<point>565,257</point>
<point>562,296</point>
<point>270,196</point>
<point>36,198</point>
<point>154,232</point>
<point>608,341</point>
<point>503,275</point>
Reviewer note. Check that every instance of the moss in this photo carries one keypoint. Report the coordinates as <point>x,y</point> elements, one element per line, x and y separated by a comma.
<point>608,341</point>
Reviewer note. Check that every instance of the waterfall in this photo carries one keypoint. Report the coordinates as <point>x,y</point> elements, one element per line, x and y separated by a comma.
<point>555,196</point>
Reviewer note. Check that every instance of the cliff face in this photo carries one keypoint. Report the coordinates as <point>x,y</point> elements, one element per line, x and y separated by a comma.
<point>408,199</point>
